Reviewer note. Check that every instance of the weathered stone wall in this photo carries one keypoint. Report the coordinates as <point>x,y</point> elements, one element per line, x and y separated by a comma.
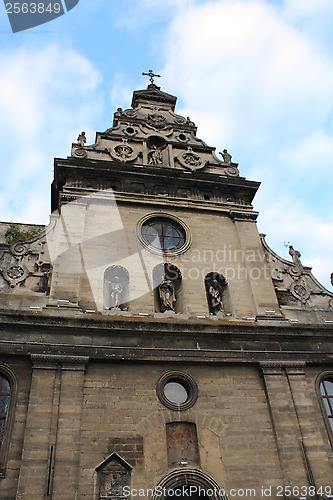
<point>257,426</point>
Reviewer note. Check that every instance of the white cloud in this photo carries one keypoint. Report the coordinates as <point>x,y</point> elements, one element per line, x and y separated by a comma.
<point>46,97</point>
<point>121,93</point>
<point>257,81</point>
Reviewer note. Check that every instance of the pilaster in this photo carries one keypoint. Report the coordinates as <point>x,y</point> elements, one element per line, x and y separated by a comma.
<point>33,478</point>
<point>317,462</point>
<point>50,459</point>
<point>285,422</point>
<point>68,444</point>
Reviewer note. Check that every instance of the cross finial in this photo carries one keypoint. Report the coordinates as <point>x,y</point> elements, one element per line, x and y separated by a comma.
<point>151,75</point>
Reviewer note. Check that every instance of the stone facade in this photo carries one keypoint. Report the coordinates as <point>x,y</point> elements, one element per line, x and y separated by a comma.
<point>149,335</point>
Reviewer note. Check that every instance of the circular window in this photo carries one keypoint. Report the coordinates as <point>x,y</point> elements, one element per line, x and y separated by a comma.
<point>177,390</point>
<point>164,234</point>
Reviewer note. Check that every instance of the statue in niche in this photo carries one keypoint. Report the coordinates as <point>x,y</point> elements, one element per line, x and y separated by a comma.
<point>295,255</point>
<point>116,280</point>
<point>82,139</point>
<point>155,156</point>
<point>116,290</point>
<point>226,156</point>
<point>167,295</point>
<point>215,297</point>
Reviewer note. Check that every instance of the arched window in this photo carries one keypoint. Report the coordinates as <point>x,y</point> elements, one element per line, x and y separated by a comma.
<point>203,486</point>
<point>326,390</point>
<point>7,392</point>
<point>4,404</point>
<point>116,281</point>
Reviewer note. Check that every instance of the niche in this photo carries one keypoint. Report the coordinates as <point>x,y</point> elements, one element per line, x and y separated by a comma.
<point>155,145</point>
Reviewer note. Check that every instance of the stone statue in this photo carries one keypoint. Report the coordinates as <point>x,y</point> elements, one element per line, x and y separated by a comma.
<point>154,156</point>
<point>295,255</point>
<point>189,122</point>
<point>116,290</point>
<point>82,139</point>
<point>215,297</point>
<point>167,295</point>
<point>332,279</point>
<point>226,156</point>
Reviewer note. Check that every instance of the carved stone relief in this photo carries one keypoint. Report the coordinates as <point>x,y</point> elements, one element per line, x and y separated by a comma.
<point>157,121</point>
<point>80,152</point>
<point>190,160</point>
<point>21,264</point>
<point>232,171</point>
<point>300,290</point>
<point>123,152</point>
<point>113,476</point>
<point>15,273</point>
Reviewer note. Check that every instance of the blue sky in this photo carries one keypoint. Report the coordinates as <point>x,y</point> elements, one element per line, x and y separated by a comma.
<point>256,76</point>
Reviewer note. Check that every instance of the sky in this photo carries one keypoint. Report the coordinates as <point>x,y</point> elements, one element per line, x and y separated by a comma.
<point>256,77</point>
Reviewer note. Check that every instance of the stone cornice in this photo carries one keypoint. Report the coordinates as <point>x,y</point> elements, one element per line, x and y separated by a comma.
<point>277,367</point>
<point>103,324</point>
<point>52,361</point>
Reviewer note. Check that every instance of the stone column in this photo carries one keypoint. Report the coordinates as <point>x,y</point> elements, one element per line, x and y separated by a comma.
<point>68,442</point>
<point>33,478</point>
<point>319,468</point>
<point>285,425</point>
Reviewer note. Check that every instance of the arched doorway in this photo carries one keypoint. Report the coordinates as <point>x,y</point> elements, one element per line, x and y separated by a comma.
<point>190,483</point>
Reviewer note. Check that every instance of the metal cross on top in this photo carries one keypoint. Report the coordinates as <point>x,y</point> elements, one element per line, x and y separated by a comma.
<point>151,75</point>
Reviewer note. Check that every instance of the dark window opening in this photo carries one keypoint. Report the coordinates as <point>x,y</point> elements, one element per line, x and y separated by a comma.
<point>4,405</point>
<point>326,389</point>
<point>163,234</point>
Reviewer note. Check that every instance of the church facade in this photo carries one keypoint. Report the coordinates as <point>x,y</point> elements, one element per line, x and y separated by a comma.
<point>151,342</point>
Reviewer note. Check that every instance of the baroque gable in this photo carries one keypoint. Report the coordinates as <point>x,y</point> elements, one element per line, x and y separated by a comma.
<point>298,292</point>
<point>152,134</point>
